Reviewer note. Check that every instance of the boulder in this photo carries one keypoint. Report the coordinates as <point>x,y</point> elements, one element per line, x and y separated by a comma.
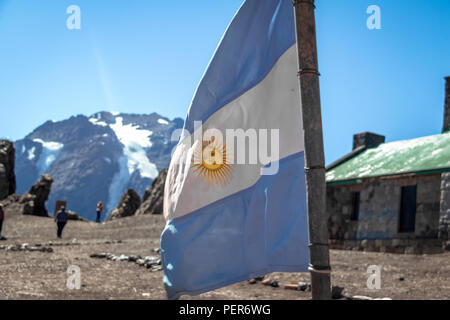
<point>129,203</point>
<point>7,176</point>
<point>153,200</point>
<point>74,216</point>
<point>34,200</point>
<point>302,286</point>
<point>336,292</point>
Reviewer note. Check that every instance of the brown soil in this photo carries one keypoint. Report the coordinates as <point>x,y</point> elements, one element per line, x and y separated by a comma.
<point>39,275</point>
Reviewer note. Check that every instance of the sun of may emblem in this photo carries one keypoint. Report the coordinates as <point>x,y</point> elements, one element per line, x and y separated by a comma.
<point>211,163</point>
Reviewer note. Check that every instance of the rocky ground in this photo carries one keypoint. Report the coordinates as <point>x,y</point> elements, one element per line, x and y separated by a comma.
<point>39,270</point>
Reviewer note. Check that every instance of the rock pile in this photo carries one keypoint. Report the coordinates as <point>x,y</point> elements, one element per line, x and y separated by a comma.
<point>129,203</point>
<point>75,242</point>
<point>337,292</point>
<point>150,262</point>
<point>34,200</point>
<point>270,282</point>
<point>63,244</point>
<point>299,286</point>
<point>26,247</point>
<point>7,176</point>
<point>153,200</point>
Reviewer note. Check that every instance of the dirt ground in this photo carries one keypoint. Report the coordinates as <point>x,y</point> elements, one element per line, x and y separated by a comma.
<point>43,275</point>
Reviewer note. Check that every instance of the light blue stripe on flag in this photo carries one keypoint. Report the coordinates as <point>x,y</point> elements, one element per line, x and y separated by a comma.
<point>260,33</point>
<point>256,231</point>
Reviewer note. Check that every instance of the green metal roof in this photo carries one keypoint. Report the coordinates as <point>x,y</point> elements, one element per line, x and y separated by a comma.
<point>428,154</point>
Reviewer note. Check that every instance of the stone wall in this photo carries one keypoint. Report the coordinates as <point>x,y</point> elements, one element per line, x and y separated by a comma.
<point>379,206</point>
<point>428,206</point>
<point>403,246</point>
<point>380,200</point>
<point>444,219</point>
<point>339,212</point>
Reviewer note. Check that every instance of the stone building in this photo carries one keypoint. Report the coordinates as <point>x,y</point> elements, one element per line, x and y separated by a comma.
<point>392,197</point>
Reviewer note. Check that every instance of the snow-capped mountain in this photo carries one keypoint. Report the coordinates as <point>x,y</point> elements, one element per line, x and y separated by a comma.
<point>95,158</point>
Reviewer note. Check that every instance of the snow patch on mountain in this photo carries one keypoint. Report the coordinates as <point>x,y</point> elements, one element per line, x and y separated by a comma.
<point>134,140</point>
<point>162,121</point>
<point>31,154</point>
<point>97,122</point>
<point>50,152</point>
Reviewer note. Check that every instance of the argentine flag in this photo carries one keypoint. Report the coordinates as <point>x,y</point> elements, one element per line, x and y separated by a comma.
<point>230,220</point>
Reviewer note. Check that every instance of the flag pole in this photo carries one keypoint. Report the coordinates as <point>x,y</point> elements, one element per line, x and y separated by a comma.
<point>314,155</point>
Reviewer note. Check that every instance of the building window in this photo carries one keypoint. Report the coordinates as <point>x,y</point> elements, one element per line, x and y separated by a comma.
<point>356,201</point>
<point>408,206</point>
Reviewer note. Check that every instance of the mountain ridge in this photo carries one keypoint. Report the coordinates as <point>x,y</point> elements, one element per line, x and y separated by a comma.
<point>96,158</point>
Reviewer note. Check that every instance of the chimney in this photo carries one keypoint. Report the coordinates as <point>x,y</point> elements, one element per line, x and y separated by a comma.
<point>368,140</point>
<point>446,127</point>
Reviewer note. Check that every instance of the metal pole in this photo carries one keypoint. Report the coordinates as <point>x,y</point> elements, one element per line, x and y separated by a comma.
<point>314,155</point>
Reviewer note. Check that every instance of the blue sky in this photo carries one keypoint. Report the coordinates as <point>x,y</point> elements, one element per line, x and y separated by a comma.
<point>145,56</point>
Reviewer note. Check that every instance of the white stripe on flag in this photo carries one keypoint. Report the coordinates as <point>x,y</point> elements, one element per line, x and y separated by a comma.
<point>272,104</point>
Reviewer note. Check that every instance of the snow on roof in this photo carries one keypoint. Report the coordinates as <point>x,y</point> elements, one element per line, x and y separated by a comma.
<point>399,157</point>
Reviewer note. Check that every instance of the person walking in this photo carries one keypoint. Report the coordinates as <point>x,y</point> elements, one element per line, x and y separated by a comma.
<point>99,211</point>
<point>61,220</point>
<point>2,217</point>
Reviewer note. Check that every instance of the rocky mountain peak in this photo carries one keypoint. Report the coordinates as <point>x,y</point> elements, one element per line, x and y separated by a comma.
<point>96,158</point>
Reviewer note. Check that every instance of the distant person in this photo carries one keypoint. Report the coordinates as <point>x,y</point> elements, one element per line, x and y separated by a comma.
<point>99,211</point>
<point>61,220</point>
<point>2,217</point>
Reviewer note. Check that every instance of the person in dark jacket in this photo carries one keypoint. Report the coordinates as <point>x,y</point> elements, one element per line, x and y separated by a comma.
<point>2,217</point>
<point>61,220</point>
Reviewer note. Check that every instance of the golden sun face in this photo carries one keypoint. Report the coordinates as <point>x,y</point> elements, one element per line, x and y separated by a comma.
<point>211,162</point>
